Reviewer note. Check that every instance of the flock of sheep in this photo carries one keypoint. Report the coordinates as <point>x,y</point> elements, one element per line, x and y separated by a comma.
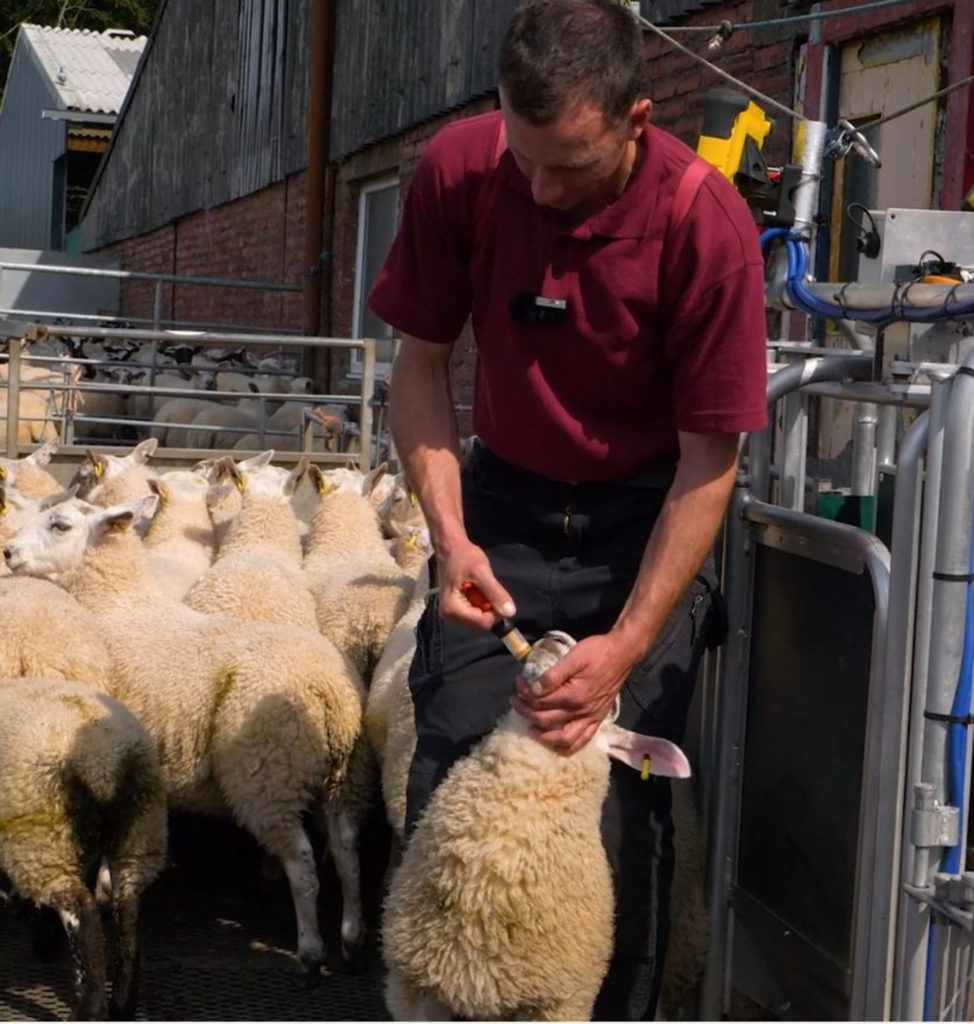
<point>104,390</point>
<point>185,639</point>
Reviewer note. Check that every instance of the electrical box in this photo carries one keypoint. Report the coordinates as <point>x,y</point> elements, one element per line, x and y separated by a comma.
<point>906,237</point>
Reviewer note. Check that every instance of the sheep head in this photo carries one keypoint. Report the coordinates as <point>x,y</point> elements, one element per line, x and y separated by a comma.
<point>54,541</point>
<point>646,754</point>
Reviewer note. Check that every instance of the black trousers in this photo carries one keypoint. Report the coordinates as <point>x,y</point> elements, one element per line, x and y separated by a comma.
<point>568,554</point>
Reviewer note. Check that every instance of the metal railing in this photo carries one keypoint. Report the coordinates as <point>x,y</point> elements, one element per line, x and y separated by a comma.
<point>62,413</point>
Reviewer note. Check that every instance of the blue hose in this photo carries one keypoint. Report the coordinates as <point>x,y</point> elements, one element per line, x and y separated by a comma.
<point>804,300</point>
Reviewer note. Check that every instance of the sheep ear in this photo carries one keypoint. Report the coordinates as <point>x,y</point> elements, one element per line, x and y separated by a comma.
<point>159,489</point>
<point>119,518</point>
<point>3,498</point>
<point>3,472</point>
<point>321,482</point>
<point>373,477</point>
<point>142,451</point>
<point>98,463</point>
<point>649,755</point>
<point>257,461</point>
<point>295,476</point>
<point>42,456</point>
<point>56,499</point>
<point>206,467</point>
<point>228,468</point>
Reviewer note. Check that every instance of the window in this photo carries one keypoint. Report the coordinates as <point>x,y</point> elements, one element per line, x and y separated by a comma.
<point>377,219</point>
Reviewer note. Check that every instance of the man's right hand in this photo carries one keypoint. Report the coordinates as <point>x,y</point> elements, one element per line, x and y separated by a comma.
<point>467,563</point>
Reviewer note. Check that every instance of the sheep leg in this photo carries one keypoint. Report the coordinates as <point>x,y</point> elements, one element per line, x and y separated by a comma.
<point>342,830</point>
<point>86,939</point>
<point>125,908</point>
<point>298,859</point>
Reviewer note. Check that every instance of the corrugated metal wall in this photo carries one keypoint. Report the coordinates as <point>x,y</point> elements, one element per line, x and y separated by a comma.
<point>395,68</point>
<point>28,148</point>
<point>218,111</point>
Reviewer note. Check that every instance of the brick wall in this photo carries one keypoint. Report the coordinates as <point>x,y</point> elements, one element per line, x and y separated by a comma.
<point>257,238</point>
<point>765,61</point>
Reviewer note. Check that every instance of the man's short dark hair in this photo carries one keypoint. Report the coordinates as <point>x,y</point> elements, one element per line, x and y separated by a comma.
<point>558,52</point>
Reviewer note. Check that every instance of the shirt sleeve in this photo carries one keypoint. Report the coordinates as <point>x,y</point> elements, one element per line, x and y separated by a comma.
<point>423,288</point>
<point>717,339</point>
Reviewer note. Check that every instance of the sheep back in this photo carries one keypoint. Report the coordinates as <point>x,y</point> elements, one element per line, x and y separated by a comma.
<point>47,633</point>
<point>502,906</point>
<point>80,780</point>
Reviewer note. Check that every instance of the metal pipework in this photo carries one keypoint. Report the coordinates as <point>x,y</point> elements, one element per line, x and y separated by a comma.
<point>913,917</point>
<point>885,815</point>
<point>806,194</point>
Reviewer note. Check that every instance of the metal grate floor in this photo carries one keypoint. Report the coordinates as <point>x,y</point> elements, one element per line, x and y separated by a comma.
<point>218,945</point>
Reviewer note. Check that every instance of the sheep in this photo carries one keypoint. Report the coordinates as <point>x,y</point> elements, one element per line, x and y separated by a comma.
<point>410,546</point>
<point>257,574</point>
<point>28,474</point>
<point>174,418</point>
<point>79,781</point>
<point>390,723</point>
<point>360,593</point>
<point>46,632</point>
<point>38,410</point>
<point>502,905</point>
<point>284,427</point>
<point>180,539</point>
<point>256,719</point>
<point>104,479</point>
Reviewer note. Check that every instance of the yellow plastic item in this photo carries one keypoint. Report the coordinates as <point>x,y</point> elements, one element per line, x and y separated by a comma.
<point>644,771</point>
<point>730,119</point>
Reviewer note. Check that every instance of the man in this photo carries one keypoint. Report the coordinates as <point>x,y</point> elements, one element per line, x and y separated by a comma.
<point>616,295</point>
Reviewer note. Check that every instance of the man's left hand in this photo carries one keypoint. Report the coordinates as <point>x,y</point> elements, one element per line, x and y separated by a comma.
<point>570,700</point>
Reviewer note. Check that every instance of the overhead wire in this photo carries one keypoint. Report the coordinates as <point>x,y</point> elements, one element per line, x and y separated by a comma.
<point>723,74</point>
<point>789,20</point>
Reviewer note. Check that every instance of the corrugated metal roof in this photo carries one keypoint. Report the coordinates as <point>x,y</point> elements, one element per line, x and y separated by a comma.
<point>90,71</point>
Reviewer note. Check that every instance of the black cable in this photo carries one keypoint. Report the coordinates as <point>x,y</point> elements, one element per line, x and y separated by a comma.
<point>867,242</point>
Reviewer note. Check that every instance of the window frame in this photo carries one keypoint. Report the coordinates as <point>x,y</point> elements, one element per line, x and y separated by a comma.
<point>391,180</point>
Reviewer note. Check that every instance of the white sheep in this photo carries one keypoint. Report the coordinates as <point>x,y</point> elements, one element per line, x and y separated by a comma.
<point>257,574</point>
<point>502,906</point>
<point>180,539</point>
<point>46,632</point>
<point>259,720</point>
<point>80,781</point>
<point>360,593</point>
<point>174,417</point>
<point>28,474</point>
<point>390,723</point>
<point>105,479</point>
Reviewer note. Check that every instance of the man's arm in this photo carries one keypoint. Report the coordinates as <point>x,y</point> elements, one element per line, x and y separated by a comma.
<point>424,428</point>
<point>574,696</point>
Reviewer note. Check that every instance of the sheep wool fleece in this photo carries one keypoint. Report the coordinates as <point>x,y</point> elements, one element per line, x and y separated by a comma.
<point>498,922</point>
<point>570,570</point>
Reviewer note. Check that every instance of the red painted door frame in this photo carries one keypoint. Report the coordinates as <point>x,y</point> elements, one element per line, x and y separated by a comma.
<point>958,152</point>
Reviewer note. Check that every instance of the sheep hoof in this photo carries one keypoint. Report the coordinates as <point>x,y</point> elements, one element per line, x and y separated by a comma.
<point>310,972</point>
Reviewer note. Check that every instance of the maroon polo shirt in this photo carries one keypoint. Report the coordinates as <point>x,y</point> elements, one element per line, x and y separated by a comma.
<point>665,328</point>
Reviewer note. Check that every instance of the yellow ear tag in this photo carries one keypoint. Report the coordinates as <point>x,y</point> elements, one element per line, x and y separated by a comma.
<point>241,483</point>
<point>644,771</point>
<point>97,470</point>
<point>413,498</point>
<point>411,541</point>
<point>323,486</point>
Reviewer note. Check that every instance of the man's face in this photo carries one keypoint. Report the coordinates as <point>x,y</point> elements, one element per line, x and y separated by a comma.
<point>578,162</point>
